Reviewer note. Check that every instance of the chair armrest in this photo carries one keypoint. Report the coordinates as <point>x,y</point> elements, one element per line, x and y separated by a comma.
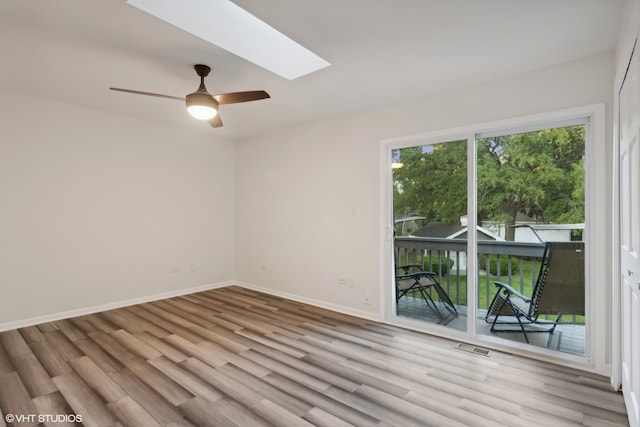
<point>407,267</point>
<point>416,275</point>
<point>511,291</point>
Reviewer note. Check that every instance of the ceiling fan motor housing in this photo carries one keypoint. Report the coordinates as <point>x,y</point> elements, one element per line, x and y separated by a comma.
<point>202,105</point>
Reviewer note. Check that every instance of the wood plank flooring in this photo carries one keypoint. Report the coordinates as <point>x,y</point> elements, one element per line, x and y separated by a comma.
<point>236,357</point>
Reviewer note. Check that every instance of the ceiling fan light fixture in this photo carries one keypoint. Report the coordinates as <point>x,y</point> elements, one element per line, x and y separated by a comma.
<point>201,106</point>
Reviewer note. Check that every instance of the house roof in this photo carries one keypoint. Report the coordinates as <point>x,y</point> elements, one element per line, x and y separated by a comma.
<point>452,231</point>
<point>382,53</point>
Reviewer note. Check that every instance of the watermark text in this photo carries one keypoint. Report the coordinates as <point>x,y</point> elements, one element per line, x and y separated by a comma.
<point>43,418</point>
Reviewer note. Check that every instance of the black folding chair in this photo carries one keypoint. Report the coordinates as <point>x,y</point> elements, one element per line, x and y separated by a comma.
<point>559,290</point>
<point>413,278</point>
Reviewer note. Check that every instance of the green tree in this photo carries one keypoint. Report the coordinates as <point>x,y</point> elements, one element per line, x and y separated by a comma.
<point>539,174</point>
<point>433,182</point>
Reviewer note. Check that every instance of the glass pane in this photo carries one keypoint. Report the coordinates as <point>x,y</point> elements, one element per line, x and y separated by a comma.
<point>530,189</point>
<point>430,205</point>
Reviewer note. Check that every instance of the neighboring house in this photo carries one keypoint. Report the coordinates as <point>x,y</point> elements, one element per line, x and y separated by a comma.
<point>537,232</point>
<point>455,231</point>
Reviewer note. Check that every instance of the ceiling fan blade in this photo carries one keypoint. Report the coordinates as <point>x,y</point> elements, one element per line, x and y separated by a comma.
<point>137,92</point>
<point>216,122</point>
<point>235,97</point>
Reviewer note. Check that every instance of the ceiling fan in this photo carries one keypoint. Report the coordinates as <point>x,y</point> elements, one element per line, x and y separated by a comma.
<point>201,104</point>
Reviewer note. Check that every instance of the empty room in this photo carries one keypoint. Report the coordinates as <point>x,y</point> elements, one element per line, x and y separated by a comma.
<point>370,213</point>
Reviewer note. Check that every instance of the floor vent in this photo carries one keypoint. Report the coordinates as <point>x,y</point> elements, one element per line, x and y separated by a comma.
<point>473,349</point>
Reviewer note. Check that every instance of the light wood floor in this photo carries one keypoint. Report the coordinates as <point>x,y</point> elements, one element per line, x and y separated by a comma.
<point>235,357</point>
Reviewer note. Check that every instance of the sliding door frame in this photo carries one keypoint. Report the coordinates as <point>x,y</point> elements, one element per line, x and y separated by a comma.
<point>596,238</point>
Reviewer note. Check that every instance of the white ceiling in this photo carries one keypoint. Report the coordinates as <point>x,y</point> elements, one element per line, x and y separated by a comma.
<point>383,52</point>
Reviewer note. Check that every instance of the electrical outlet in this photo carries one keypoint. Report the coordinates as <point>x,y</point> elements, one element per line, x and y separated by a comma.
<point>367,298</point>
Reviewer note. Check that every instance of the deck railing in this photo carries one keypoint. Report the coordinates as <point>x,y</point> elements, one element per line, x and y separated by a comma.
<point>516,263</point>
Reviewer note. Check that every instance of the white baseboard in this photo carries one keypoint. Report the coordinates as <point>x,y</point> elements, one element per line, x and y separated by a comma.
<point>317,303</point>
<point>110,306</point>
<point>23,323</point>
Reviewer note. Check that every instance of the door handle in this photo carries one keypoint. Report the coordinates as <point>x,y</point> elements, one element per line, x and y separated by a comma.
<point>629,273</point>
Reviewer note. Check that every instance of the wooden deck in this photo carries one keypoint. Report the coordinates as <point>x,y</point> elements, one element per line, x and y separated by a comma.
<point>235,357</point>
<point>567,338</point>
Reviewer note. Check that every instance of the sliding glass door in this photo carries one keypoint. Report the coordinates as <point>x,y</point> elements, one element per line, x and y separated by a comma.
<point>430,229</point>
<point>475,223</point>
<point>531,210</point>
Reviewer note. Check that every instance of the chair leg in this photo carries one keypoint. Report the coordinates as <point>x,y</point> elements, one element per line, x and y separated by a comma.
<point>427,298</point>
<point>505,302</point>
<point>444,297</point>
<point>553,328</point>
<point>497,314</point>
<point>519,316</point>
<point>524,332</point>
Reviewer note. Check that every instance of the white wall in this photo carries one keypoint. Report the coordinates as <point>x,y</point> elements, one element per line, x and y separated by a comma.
<point>308,199</point>
<point>97,209</point>
<point>628,34</point>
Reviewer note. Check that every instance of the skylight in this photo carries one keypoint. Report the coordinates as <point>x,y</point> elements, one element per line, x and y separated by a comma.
<point>232,28</point>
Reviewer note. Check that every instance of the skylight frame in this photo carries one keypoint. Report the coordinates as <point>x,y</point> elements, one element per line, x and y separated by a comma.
<point>235,30</point>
